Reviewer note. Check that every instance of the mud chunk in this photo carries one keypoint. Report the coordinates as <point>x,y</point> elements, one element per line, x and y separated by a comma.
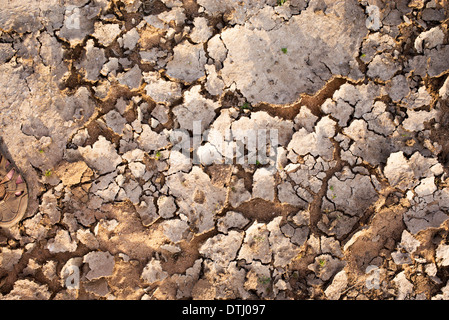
<point>187,63</point>
<point>213,248</point>
<point>62,242</point>
<point>28,290</point>
<point>195,108</point>
<point>131,78</point>
<point>201,31</point>
<point>256,244</point>
<point>270,68</point>
<point>102,156</point>
<point>153,272</point>
<point>106,33</point>
<point>160,90</point>
<point>429,39</point>
<point>101,264</point>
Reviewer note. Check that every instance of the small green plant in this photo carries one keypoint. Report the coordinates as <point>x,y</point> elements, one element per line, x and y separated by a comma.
<point>47,173</point>
<point>233,189</point>
<point>259,238</point>
<point>264,280</point>
<point>331,188</point>
<point>284,50</point>
<point>322,262</point>
<point>245,106</point>
<point>362,55</point>
<point>257,163</point>
<point>41,151</point>
<point>281,2</point>
<point>158,155</point>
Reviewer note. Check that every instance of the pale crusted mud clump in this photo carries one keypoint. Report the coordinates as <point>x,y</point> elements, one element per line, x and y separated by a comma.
<point>99,99</point>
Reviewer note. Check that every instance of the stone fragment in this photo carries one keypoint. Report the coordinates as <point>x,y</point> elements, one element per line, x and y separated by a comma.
<point>153,272</point>
<point>283,249</point>
<point>216,49</point>
<point>102,156</point>
<point>231,220</point>
<point>9,258</point>
<point>325,266</point>
<point>238,194</point>
<point>442,255</point>
<point>373,22</point>
<point>131,78</point>
<point>417,119</point>
<point>86,237</point>
<point>426,187</point>
<point>130,39</point>
<point>444,90</point>
<point>398,171</point>
<point>147,211</point>
<point>62,242</point>
<point>25,289</point>
<point>150,140</point>
<point>383,67</point>
<point>214,83</point>
<point>167,206</point>
<point>352,195</point>
<point>368,145</point>
<point>275,77</point>
<point>405,287</point>
<point>256,245</point>
<point>93,61</point>
<point>137,169</point>
<point>338,285</point>
<point>106,33</point>
<point>187,63</point>
<point>115,121</point>
<point>101,264</point>
<point>160,90</point>
<point>201,31</point>
<point>79,21</point>
<point>175,229</point>
<point>213,247</point>
<point>306,119</point>
<point>398,88</point>
<point>195,108</point>
<point>176,15</point>
<point>263,184</point>
<point>429,39</point>
<point>317,143</point>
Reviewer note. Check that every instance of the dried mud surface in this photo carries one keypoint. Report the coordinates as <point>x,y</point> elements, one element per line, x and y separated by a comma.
<point>355,206</point>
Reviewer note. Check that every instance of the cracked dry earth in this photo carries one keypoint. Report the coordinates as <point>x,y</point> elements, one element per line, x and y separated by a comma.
<point>355,206</point>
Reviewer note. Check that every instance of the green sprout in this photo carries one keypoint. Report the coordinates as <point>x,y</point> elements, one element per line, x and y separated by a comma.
<point>41,151</point>
<point>362,55</point>
<point>284,50</point>
<point>48,173</point>
<point>281,2</point>
<point>331,188</point>
<point>257,163</point>
<point>264,280</point>
<point>158,155</point>
<point>322,262</point>
<point>245,106</point>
